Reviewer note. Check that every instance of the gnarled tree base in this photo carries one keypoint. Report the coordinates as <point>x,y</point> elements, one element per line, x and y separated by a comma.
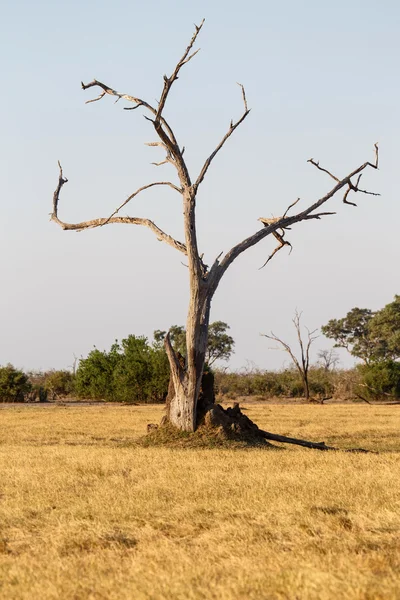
<point>227,426</point>
<point>218,426</point>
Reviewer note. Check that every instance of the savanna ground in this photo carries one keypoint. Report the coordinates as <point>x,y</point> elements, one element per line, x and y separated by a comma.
<point>88,513</point>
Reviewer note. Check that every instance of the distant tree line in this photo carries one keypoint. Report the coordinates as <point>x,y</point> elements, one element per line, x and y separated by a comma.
<point>136,370</point>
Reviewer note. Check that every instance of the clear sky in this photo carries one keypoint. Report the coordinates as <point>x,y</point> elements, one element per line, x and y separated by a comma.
<point>322,79</point>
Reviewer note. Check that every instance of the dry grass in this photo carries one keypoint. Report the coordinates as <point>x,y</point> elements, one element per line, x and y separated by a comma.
<point>86,513</point>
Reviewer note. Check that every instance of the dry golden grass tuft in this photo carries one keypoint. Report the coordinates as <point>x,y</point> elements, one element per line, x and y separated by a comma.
<point>87,513</point>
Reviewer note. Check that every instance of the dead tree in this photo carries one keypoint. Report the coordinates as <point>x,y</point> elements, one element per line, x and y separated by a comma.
<point>203,280</point>
<point>328,359</point>
<point>302,365</point>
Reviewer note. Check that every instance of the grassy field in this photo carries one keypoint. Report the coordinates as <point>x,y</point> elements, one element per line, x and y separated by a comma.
<point>87,513</point>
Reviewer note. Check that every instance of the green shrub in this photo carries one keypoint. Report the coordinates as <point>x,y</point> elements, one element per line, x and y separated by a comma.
<point>14,384</point>
<point>58,384</point>
<point>269,384</point>
<point>379,380</point>
<point>132,371</point>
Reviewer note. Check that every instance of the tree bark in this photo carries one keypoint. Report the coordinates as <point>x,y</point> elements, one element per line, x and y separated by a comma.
<point>186,379</point>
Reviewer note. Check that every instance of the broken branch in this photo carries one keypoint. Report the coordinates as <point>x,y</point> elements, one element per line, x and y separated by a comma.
<point>282,243</point>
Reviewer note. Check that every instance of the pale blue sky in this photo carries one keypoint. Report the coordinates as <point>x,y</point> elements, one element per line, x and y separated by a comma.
<point>322,79</point>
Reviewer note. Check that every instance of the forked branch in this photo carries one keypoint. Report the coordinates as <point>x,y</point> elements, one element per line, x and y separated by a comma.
<point>161,235</point>
<point>284,222</point>
<point>302,365</point>
<point>351,186</point>
<point>281,244</point>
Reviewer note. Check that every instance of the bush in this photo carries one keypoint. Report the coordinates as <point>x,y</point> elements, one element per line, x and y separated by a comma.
<point>269,384</point>
<point>14,384</point>
<point>58,383</point>
<point>94,376</point>
<point>379,380</point>
<point>132,371</point>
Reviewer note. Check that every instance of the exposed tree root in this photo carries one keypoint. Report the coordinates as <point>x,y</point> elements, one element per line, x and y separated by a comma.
<point>221,426</point>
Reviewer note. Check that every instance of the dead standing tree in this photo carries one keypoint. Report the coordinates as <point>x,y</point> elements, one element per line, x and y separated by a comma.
<point>302,365</point>
<point>186,379</point>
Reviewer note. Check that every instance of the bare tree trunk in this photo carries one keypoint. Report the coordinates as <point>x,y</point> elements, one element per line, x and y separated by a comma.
<point>185,384</point>
<point>303,365</point>
<point>306,386</point>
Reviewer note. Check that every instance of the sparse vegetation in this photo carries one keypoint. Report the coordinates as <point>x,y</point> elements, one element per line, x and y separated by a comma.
<point>86,512</point>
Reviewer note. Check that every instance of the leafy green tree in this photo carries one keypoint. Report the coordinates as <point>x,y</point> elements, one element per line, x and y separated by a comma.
<point>132,371</point>
<point>220,343</point>
<point>219,346</point>
<point>370,336</point>
<point>177,335</point>
<point>352,333</point>
<point>384,331</point>
<point>14,384</point>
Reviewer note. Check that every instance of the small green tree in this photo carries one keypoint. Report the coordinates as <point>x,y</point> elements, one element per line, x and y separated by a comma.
<point>14,384</point>
<point>219,345</point>
<point>177,335</point>
<point>352,332</point>
<point>367,335</point>
<point>384,331</point>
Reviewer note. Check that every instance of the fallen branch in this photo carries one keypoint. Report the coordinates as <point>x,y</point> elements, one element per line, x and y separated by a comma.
<point>234,422</point>
<point>306,444</point>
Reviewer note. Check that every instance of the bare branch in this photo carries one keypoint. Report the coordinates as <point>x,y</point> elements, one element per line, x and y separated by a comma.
<point>163,162</point>
<point>316,164</point>
<point>177,371</point>
<point>141,189</point>
<point>282,243</point>
<point>161,235</point>
<point>352,187</point>
<point>289,207</point>
<point>314,445</point>
<point>163,130</point>
<point>168,81</point>
<point>231,129</point>
<point>272,225</point>
<point>136,101</point>
<point>285,346</point>
<point>108,90</point>
<point>303,364</point>
<point>243,96</point>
